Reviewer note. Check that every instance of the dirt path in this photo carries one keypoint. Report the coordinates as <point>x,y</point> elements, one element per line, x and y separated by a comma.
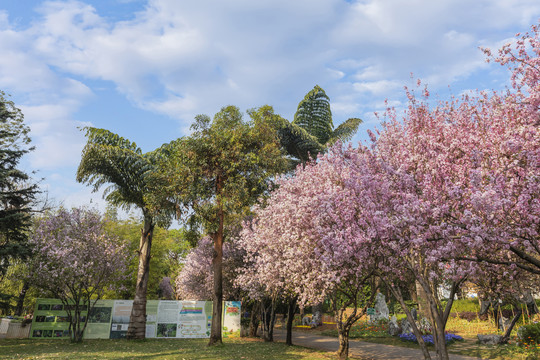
<point>358,349</point>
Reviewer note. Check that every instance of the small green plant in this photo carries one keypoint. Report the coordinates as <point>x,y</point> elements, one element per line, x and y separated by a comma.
<point>529,334</point>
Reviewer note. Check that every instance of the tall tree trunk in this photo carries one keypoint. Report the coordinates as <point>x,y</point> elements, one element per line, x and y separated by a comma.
<point>217,264</point>
<point>412,291</point>
<point>290,319</point>
<point>137,320</point>
<point>20,300</point>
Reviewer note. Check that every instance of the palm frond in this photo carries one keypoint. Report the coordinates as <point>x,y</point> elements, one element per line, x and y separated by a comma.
<point>110,159</point>
<point>295,140</point>
<point>346,130</point>
<point>314,115</point>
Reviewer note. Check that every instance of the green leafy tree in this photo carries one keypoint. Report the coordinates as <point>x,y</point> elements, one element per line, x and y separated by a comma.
<point>16,190</point>
<point>219,172</point>
<point>110,159</point>
<point>296,141</point>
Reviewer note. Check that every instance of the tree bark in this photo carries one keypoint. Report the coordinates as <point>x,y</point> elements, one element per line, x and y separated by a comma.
<point>20,300</point>
<point>343,350</point>
<point>399,297</point>
<point>290,319</point>
<point>137,320</point>
<point>217,264</point>
<point>506,336</point>
<point>254,320</point>
<point>268,319</point>
<point>422,300</point>
<point>412,292</point>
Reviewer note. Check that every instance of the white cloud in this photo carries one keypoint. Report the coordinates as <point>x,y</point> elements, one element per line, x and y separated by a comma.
<point>56,136</point>
<point>379,88</point>
<point>182,58</point>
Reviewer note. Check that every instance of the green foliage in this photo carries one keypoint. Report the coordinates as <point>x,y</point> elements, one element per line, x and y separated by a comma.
<point>465,305</point>
<point>168,248</point>
<point>529,334</point>
<point>16,191</point>
<point>314,113</point>
<point>397,309</point>
<point>110,159</point>
<point>10,289</point>
<point>312,130</point>
<point>225,165</point>
<point>297,142</point>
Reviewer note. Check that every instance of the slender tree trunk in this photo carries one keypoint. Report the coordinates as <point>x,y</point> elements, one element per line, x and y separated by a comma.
<point>290,319</point>
<point>20,299</point>
<point>268,319</point>
<point>412,292</point>
<point>217,264</point>
<point>437,316</point>
<point>506,336</point>
<point>137,320</point>
<point>399,297</point>
<point>343,335</point>
<point>254,320</point>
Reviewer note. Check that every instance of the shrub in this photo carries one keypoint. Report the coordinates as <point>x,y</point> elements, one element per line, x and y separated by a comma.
<point>528,334</point>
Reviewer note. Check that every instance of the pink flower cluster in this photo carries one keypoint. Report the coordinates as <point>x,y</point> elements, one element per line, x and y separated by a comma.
<point>438,188</point>
<point>196,280</point>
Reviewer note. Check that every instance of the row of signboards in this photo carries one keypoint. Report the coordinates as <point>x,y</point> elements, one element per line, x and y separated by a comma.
<point>109,319</point>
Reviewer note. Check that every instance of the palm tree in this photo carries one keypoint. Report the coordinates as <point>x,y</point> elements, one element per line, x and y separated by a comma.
<point>110,159</point>
<point>314,115</point>
<point>312,130</point>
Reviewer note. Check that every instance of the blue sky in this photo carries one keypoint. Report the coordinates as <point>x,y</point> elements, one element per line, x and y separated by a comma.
<point>144,69</point>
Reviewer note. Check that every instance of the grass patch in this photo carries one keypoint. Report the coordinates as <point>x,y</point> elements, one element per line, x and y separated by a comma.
<point>163,349</point>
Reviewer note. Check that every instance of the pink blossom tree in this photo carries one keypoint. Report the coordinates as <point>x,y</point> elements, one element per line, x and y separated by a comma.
<point>473,163</point>
<point>75,260</point>
<point>507,190</point>
<point>310,239</point>
<point>195,281</point>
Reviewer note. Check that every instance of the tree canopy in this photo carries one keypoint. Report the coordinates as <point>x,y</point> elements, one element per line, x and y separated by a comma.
<point>219,172</point>
<point>76,260</point>
<point>17,192</point>
<point>312,130</point>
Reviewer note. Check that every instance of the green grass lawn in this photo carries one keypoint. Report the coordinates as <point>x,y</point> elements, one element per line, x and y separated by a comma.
<point>163,349</point>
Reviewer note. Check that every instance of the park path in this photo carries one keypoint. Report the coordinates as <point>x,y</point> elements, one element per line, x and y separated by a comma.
<point>358,349</point>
